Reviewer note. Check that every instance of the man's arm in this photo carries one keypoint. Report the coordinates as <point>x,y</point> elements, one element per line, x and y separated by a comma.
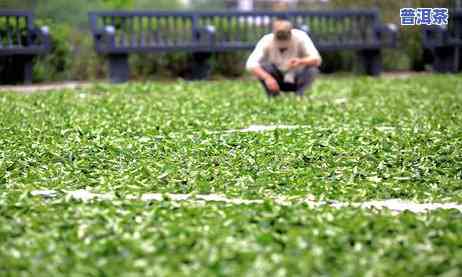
<point>270,82</point>
<point>311,57</point>
<point>260,73</point>
<point>253,65</point>
<point>306,61</point>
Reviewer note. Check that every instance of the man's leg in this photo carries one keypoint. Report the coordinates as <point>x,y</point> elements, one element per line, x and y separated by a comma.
<point>272,70</point>
<point>304,79</point>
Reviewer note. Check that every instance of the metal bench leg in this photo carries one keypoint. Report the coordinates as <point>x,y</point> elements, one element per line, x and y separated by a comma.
<point>4,69</point>
<point>17,70</point>
<point>118,68</point>
<point>459,54</point>
<point>371,60</point>
<point>200,66</point>
<point>27,70</point>
<point>445,59</point>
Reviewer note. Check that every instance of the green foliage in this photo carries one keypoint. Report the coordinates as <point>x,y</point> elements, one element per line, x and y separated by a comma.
<point>338,61</point>
<point>153,66</point>
<point>208,5</point>
<point>385,139</point>
<point>72,13</point>
<point>409,54</point>
<point>158,4</point>
<point>73,55</point>
<point>344,146</point>
<point>55,66</point>
<point>230,65</point>
<point>13,4</point>
<point>139,239</point>
<point>118,4</point>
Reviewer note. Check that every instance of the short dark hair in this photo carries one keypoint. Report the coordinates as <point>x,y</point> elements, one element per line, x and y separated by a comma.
<point>281,35</point>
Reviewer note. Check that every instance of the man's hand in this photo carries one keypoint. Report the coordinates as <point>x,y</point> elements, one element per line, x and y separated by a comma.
<point>295,62</point>
<point>307,61</point>
<point>269,80</point>
<point>272,84</point>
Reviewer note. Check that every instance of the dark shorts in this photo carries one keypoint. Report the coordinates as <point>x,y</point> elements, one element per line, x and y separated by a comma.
<point>303,80</point>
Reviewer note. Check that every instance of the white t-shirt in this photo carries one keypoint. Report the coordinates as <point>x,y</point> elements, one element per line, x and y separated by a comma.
<point>267,51</point>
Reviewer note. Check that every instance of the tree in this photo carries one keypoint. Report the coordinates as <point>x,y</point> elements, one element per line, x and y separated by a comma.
<point>158,4</point>
<point>18,5</point>
<point>118,4</point>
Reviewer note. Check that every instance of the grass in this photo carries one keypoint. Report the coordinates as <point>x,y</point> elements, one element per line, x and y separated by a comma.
<point>367,139</point>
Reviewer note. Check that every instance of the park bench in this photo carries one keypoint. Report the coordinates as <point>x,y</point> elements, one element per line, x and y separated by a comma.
<point>20,42</point>
<point>445,43</point>
<point>117,34</point>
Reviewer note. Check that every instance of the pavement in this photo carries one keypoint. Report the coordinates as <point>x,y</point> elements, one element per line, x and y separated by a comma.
<point>45,87</point>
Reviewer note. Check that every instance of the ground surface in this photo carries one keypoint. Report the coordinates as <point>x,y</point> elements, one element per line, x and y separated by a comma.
<point>363,139</point>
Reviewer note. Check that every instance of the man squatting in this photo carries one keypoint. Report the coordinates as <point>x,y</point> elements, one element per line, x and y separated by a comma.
<point>285,60</point>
